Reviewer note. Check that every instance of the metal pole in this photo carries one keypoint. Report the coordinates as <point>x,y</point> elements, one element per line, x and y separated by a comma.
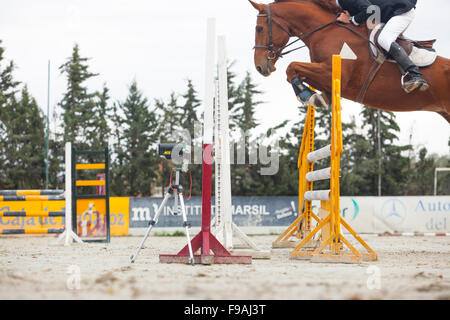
<point>47,182</point>
<point>379,152</point>
<point>435,181</point>
<point>208,129</point>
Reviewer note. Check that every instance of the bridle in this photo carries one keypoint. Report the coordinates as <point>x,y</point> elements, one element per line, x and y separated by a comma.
<point>278,53</point>
<point>274,54</point>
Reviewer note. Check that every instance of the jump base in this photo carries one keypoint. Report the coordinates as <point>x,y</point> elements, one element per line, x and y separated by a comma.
<point>255,254</point>
<point>285,244</point>
<point>326,258</point>
<point>205,259</point>
<point>293,244</point>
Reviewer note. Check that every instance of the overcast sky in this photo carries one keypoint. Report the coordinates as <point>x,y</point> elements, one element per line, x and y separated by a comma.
<point>161,44</point>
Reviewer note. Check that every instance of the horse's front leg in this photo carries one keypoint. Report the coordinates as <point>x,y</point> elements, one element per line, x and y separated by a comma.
<point>314,74</point>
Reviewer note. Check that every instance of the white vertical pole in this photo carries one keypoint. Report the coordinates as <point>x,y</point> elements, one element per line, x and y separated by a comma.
<point>68,192</point>
<point>68,235</point>
<point>209,83</point>
<point>224,144</point>
<point>218,214</point>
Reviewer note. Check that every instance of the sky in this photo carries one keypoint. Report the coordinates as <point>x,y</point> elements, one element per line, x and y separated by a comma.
<point>161,44</point>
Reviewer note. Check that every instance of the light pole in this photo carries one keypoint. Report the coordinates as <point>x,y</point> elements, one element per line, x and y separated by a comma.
<point>47,182</point>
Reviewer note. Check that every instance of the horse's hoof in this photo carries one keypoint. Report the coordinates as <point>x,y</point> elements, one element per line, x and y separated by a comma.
<point>317,101</point>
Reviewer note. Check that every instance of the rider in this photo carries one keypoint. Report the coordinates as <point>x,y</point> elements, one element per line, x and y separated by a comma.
<point>397,16</point>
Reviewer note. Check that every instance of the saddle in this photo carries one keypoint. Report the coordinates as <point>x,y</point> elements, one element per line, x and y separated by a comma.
<point>421,53</point>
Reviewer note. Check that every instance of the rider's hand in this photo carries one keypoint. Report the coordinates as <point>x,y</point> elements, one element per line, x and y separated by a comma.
<point>344,17</point>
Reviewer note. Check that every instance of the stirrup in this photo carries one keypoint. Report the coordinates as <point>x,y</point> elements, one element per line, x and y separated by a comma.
<point>403,79</point>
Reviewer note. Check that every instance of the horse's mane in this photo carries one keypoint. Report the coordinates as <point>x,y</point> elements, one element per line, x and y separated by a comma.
<point>328,5</point>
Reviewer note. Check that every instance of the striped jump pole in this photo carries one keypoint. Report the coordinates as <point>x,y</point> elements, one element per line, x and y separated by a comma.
<point>32,214</point>
<point>31,231</point>
<point>31,198</point>
<point>44,192</point>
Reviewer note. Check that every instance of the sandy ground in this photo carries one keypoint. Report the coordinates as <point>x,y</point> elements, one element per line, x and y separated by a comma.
<point>37,268</point>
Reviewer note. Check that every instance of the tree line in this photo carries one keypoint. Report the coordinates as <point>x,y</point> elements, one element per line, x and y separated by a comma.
<point>132,129</point>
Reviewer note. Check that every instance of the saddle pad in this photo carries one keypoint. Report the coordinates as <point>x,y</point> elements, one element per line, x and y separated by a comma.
<point>420,57</point>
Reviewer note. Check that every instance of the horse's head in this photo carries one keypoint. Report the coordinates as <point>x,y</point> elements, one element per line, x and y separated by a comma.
<point>270,39</point>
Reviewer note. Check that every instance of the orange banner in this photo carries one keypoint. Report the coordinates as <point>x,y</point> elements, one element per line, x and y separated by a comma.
<point>119,214</point>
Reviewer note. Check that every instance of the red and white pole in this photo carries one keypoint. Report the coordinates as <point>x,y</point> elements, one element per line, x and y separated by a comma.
<point>212,251</point>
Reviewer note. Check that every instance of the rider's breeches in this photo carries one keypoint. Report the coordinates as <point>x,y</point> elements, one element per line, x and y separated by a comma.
<point>395,27</point>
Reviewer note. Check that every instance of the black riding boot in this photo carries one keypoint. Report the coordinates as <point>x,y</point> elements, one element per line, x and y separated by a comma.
<point>306,95</point>
<point>408,68</point>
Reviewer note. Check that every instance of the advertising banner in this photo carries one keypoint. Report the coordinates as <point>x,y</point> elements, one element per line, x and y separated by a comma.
<point>119,214</point>
<point>364,214</point>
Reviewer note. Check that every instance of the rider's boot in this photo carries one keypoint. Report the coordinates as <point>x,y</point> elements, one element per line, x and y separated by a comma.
<point>409,69</point>
<point>306,95</point>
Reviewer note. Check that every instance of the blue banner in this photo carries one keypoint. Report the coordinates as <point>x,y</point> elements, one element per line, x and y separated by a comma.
<point>246,211</point>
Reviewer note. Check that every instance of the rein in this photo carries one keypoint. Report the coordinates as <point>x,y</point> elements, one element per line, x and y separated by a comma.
<point>279,52</point>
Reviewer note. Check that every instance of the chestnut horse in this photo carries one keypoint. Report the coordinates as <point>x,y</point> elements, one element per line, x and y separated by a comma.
<point>314,22</point>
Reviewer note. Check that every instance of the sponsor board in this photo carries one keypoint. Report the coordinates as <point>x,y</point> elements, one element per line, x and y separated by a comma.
<point>364,214</point>
<point>119,213</point>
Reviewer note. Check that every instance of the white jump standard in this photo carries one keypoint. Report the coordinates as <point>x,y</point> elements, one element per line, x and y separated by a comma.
<point>223,226</point>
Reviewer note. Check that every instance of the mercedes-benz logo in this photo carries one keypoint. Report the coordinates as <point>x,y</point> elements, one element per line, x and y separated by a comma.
<point>393,211</point>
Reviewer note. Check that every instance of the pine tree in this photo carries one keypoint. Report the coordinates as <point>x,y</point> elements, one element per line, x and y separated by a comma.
<point>234,95</point>
<point>421,180</point>
<point>21,133</point>
<point>189,110</point>
<point>98,137</point>
<point>245,178</point>
<point>117,173</point>
<point>140,128</point>
<point>393,170</point>
<point>23,147</point>
<point>189,117</point>
<point>353,166</point>
<point>77,103</point>
<point>244,113</point>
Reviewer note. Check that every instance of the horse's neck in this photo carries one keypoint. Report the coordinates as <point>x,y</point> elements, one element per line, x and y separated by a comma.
<point>303,17</point>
